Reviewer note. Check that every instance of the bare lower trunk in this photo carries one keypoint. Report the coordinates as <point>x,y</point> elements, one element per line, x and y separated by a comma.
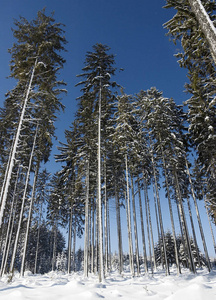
<point>184,223</point>
<point>119,233</point>
<point>54,247</point>
<point>22,207</point>
<point>74,246</point>
<point>9,229</point>
<point>70,238</point>
<point>29,220</point>
<point>199,219</point>
<point>209,220</point>
<point>128,210</point>
<point>171,215</point>
<point>160,216</point>
<point>142,229</point>
<point>86,242</point>
<point>14,151</point>
<point>193,231</point>
<point>135,227</point>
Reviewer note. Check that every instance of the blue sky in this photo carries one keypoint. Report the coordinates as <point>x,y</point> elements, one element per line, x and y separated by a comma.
<point>132,29</point>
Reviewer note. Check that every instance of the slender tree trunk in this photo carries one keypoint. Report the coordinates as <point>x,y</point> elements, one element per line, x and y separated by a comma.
<point>129,220</point>
<point>70,238</point>
<point>198,218</point>
<point>160,216</point>
<point>6,171</point>
<point>29,221</point>
<point>105,220</point>
<point>150,223</point>
<point>100,223</point>
<point>158,227</point>
<point>183,236</point>
<point>184,223</point>
<point>93,238</point>
<point>17,137</point>
<point>54,246</point>
<point>171,215</point>
<point>193,231</point>
<point>86,243</point>
<point>22,207</point>
<point>74,246</point>
<point>206,25</point>
<point>38,237</point>
<point>135,227</point>
<point>9,228</point>
<point>142,228</point>
<point>153,266</point>
<point>109,242</point>
<point>119,232</point>
<point>210,225</point>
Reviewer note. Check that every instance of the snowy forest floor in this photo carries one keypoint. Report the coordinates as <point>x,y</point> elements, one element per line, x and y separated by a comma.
<point>60,286</point>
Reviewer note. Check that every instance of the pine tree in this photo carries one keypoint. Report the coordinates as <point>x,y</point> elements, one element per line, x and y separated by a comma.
<point>98,99</point>
<point>34,64</point>
<point>196,56</point>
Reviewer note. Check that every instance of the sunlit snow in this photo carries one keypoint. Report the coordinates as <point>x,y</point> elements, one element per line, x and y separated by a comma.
<point>60,286</point>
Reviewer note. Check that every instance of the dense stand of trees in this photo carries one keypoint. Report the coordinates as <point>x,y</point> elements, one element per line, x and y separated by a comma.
<point>131,152</point>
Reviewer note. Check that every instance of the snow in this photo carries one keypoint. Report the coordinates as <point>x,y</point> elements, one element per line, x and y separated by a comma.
<point>60,286</point>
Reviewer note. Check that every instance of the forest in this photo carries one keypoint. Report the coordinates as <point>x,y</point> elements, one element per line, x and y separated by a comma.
<point>142,155</point>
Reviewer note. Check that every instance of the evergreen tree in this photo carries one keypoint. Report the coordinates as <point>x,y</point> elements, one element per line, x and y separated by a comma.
<point>34,64</point>
<point>196,57</point>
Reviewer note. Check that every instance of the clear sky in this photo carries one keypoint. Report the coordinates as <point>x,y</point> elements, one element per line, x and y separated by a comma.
<point>133,29</point>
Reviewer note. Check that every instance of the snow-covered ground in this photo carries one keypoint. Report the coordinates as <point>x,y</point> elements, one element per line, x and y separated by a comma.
<point>59,286</point>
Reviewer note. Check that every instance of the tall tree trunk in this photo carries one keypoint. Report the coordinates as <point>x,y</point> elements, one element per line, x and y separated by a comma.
<point>86,242</point>
<point>105,220</point>
<point>129,220</point>
<point>93,237</point>
<point>210,225</point>
<point>74,245</point>
<point>100,219</point>
<point>38,237</point>
<point>119,231</point>
<point>142,229</point>
<point>153,265</point>
<point>193,231</point>
<point>29,221</point>
<point>22,207</point>
<point>171,214</point>
<point>135,226</point>
<point>149,222</point>
<point>158,227</point>
<point>15,145</point>
<point>54,246</point>
<point>160,214</point>
<point>9,228</point>
<point>184,223</point>
<point>70,238</point>
<point>206,25</point>
<point>30,210</point>
<point>198,218</point>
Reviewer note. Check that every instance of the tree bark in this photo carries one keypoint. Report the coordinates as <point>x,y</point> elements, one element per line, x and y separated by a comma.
<point>142,229</point>
<point>206,25</point>
<point>29,221</point>
<point>15,145</point>
<point>128,211</point>
<point>135,226</point>
<point>198,218</point>
<point>86,242</point>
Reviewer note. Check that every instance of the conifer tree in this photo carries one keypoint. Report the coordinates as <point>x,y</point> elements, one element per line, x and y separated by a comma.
<point>35,61</point>
<point>196,56</point>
